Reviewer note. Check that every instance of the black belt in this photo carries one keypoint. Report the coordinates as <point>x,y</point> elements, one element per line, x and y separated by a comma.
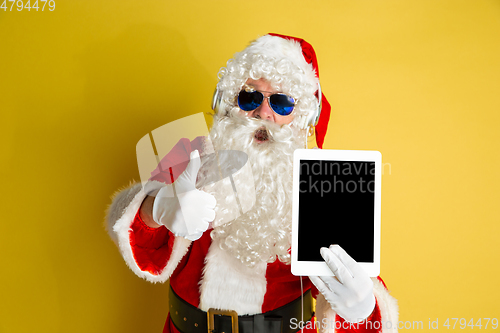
<point>190,319</point>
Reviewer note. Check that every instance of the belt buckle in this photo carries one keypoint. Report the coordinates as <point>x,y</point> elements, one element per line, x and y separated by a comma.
<point>231,313</point>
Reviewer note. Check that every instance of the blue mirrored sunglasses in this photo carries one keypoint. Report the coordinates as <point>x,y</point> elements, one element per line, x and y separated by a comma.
<point>281,104</point>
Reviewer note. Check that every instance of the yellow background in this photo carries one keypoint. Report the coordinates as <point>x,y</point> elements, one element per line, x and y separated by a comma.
<point>417,80</point>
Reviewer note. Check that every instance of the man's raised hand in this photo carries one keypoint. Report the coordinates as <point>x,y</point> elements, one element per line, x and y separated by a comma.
<point>188,213</point>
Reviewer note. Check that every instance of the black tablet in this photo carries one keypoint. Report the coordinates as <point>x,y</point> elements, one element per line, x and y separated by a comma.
<point>336,200</point>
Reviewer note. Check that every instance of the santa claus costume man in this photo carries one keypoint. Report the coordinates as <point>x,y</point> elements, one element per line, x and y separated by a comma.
<point>267,99</point>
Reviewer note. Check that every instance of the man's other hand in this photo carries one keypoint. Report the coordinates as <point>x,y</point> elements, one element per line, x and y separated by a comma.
<point>350,291</point>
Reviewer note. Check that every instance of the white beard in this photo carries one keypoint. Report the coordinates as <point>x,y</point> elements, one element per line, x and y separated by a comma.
<point>263,233</point>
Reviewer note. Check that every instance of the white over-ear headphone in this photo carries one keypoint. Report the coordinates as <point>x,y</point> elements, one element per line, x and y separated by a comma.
<point>310,120</point>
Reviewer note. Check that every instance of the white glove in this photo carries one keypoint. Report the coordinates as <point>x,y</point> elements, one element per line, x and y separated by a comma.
<point>350,291</point>
<point>188,213</point>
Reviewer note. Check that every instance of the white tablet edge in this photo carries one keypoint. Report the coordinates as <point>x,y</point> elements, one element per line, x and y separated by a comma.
<point>320,268</point>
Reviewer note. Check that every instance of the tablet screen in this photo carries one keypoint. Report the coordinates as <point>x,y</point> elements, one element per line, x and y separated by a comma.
<point>338,197</point>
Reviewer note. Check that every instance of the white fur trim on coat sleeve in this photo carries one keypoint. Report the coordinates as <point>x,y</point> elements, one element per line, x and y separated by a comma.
<point>387,304</point>
<point>124,208</point>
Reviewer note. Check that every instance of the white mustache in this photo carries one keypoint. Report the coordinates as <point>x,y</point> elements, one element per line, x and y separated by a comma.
<point>275,132</point>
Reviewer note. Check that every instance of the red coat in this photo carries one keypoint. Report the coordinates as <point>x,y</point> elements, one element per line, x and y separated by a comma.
<point>157,255</point>
<point>152,249</point>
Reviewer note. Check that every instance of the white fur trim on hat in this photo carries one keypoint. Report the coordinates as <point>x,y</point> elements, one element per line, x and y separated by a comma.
<point>281,48</point>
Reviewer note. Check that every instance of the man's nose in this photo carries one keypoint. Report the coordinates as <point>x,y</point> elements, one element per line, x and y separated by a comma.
<point>264,111</point>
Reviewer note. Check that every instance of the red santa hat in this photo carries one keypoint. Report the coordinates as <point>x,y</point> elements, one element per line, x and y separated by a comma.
<point>302,54</point>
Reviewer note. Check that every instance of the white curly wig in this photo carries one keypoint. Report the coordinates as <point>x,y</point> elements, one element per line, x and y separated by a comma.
<point>279,61</point>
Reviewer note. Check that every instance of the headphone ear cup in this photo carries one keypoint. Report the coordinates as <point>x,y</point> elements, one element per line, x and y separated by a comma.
<point>216,100</point>
<point>313,117</point>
